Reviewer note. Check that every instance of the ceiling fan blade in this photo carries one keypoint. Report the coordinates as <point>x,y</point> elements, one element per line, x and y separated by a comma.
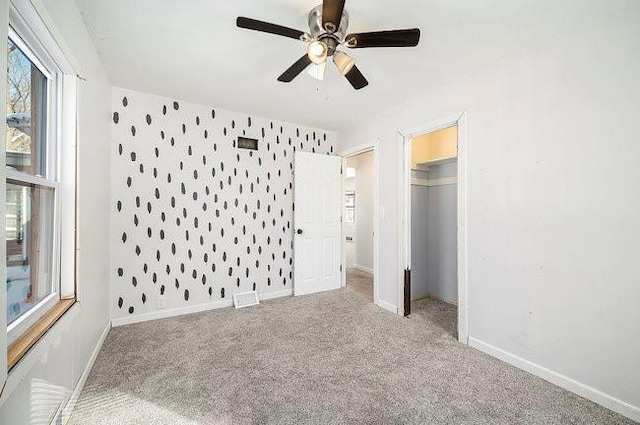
<point>394,38</point>
<point>253,24</point>
<point>356,78</point>
<point>295,69</point>
<point>332,14</point>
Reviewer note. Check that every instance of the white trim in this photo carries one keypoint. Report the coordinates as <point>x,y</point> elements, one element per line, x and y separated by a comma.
<point>198,308</point>
<point>32,30</point>
<point>404,216</point>
<point>41,26</point>
<point>3,247</point>
<point>67,136</point>
<point>426,166</point>
<point>378,213</point>
<point>389,307</point>
<point>171,312</point>
<point>400,226</point>
<point>434,182</point>
<point>463,269</point>
<point>343,238</point>
<point>31,317</point>
<point>19,176</point>
<point>70,405</point>
<point>583,390</point>
<point>35,41</point>
<point>362,268</point>
<point>356,150</point>
<point>47,67</point>
<point>275,294</point>
<point>432,126</point>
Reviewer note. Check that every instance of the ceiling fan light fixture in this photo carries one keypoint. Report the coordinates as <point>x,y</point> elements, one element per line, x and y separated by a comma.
<point>343,62</point>
<point>328,25</point>
<point>317,51</point>
<point>317,70</point>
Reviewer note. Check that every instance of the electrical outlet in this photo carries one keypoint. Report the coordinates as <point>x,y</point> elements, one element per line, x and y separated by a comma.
<point>162,302</point>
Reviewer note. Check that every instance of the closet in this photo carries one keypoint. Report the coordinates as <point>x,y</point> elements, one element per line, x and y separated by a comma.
<point>434,192</point>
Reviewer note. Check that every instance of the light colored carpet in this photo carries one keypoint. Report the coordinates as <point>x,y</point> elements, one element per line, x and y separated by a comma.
<point>330,358</point>
<point>360,282</point>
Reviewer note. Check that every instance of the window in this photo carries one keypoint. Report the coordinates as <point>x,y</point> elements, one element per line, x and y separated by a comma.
<point>30,253</point>
<point>40,179</point>
<point>30,191</point>
<point>26,113</point>
<point>350,207</point>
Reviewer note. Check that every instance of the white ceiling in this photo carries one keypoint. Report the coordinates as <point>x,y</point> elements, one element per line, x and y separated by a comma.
<point>192,50</point>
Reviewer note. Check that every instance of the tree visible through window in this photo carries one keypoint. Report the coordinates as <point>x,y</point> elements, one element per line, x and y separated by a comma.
<point>29,205</point>
<point>26,113</point>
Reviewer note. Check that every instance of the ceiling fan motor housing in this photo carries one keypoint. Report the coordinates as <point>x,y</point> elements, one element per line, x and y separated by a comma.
<point>319,33</point>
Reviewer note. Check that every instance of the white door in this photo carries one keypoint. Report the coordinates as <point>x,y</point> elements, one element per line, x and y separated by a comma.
<point>316,220</point>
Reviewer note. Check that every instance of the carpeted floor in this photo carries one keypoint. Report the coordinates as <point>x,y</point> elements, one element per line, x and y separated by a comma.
<point>360,282</point>
<point>329,358</point>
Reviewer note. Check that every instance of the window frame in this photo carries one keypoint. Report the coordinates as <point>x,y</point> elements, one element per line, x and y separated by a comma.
<point>31,32</point>
<point>50,179</point>
<point>350,194</point>
<point>28,44</point>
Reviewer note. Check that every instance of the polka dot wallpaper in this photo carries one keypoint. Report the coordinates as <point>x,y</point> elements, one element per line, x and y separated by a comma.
<point>195,218</point>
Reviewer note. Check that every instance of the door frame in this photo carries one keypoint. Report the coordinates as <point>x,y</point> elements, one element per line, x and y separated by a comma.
<point>356,150</point>
<point>404,216</point>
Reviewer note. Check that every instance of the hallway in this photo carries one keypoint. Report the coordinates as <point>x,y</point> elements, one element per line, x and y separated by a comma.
<point>360,282</point>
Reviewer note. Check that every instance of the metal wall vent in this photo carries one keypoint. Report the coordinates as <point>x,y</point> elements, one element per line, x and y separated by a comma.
<point>245,299</point>
<point>246,143</point>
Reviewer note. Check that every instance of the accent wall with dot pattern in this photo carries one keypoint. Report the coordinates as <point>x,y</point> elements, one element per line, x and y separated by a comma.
<point>194,218</point>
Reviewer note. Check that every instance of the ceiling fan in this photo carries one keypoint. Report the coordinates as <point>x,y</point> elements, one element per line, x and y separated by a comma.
<point>328,24</point>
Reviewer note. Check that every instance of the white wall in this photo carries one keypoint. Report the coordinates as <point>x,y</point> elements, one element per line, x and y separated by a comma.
<point>363,163</point>
<point>419,236</point>
<point>194,218</point>
<point>553,229</point>
<point>45,377</point>
<point>442,242</point>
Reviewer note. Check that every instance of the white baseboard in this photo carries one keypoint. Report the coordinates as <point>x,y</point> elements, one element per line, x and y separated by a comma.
<point>198,308</point>
<point>612,403</point>
<point>389,307</point>
<point>75,395</point>
<point>170,312</point>
<point>362,268</point>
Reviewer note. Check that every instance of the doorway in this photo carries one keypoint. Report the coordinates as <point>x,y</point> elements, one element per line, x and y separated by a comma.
<point>433,221</point>
<point>434,281</point>
<point>359,221</point>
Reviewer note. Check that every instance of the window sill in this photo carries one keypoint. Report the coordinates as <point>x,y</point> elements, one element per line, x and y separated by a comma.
<point>22,345</point>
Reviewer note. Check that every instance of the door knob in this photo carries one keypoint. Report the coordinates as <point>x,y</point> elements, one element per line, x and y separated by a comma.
<point>299,231</point>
